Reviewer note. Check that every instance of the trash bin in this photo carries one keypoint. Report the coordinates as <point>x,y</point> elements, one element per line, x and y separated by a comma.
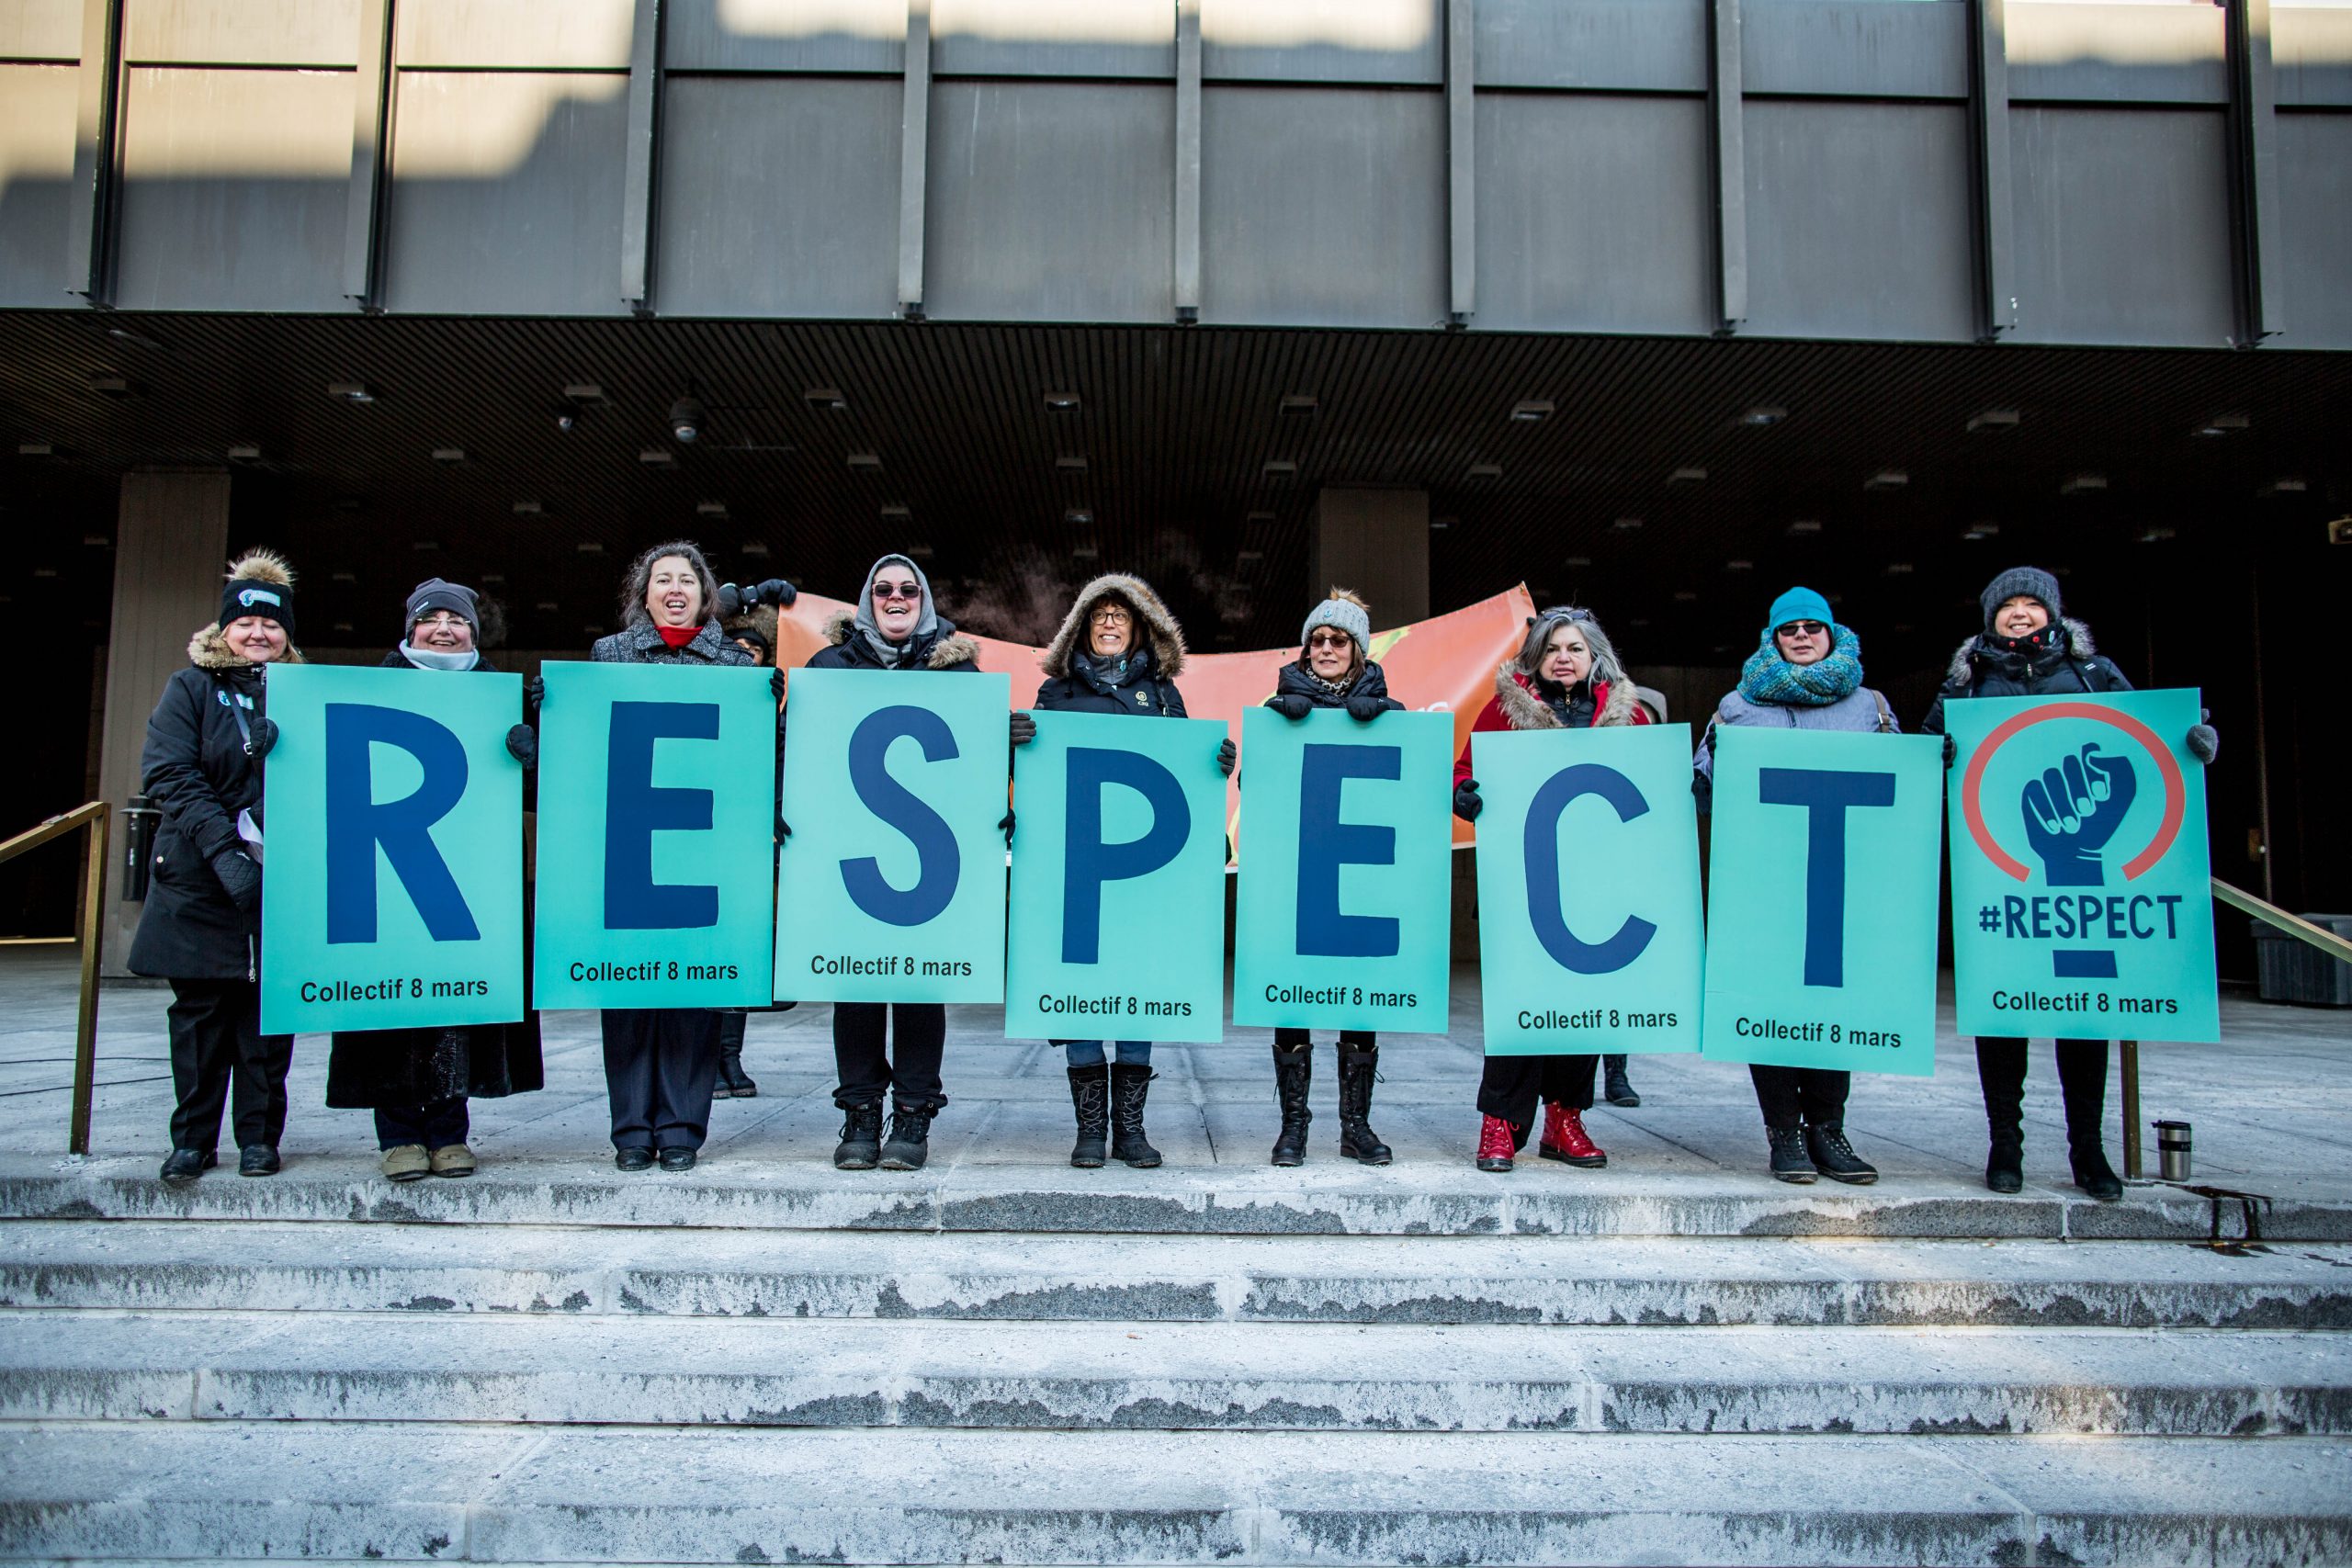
<point>2294,971</point>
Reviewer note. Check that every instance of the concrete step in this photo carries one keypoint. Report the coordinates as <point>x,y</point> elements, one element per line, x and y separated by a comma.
<point>1540,1199</point>
<point>1072,1376</point>
<point>501,1494</point>
<point>299,1267</point>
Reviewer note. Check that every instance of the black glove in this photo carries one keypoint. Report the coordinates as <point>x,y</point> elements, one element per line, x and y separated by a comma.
<point>1227,756</point>
<point>264,736</point>
<point>1952,751</point>
<point>1291,705</point>
<point>1363,708</point>
<point>535,692</point>
<point>523,745</point>
<point>240,878</point>
<point>1005,822</point>
<point>782,828</point>
<point>777,592</point>
<point>776,681</point>
<point>730,600</point>
<point>1466,804</point>
<point>1024,729</point>
<point>2203,741</point>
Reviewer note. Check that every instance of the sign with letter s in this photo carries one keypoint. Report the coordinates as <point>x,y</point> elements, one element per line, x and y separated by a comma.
<point>891,887</point>
<point>1588,922</point>
<point>2081,879</point>
<point>656,818</point>
<point>1343,908</point>
<point>393,852</point>
<point>1821,911</point>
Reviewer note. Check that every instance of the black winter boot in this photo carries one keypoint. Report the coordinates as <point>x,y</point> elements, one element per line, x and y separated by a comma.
<point>1294,1071</point>
<point>861,1143</point>
<point>1090,1096</point>
<point>1835,1158</point>
<point>1358,1070</point>
<point>2000,1071</point>
<point>909,1145</point>
<point>1617,1088</point>
<point>1130,1086</point>
<point>1790,1161</point>
<point>2082,1079</point>
<point>734,1083</point>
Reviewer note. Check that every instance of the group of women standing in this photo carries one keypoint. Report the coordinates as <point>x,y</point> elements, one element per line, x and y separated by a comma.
<point>1118,650</point>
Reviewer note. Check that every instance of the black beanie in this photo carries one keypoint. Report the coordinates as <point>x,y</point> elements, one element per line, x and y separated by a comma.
<point>244,596</point>
<point>2020,582</point>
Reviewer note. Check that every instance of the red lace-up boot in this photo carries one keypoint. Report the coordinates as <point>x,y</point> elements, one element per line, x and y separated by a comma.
<point>1566,1139</point>
<point>1495,1144</point>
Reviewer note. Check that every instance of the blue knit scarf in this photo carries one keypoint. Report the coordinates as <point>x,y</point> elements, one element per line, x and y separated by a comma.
<point>1771,680</point>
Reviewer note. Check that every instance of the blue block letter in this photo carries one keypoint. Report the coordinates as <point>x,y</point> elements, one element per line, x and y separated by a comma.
<point>939,865</point>
<point>1825,797</point>
<point>1326,843</point>
<point>634,810</point>
<point>1088,863</point>
<point>356,824</point>
<point>1543,854</point>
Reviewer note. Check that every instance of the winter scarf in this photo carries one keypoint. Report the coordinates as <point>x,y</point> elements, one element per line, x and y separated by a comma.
<point>1107,675</point>
<point>1335,690</point>
<point>891,653</point>
<point>2034,647</point>
<point>1771,681</point>
<point>434,659</point>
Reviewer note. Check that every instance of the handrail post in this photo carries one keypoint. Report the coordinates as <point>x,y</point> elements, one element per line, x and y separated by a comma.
<point>85,1020</point>
<point>2131,1111</point>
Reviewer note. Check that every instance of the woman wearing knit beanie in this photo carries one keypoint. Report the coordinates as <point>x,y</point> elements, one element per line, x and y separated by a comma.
<point>1806,673</point>
<point>2029,648</point>
<point>1566,676</point>
<point>1334,670</point>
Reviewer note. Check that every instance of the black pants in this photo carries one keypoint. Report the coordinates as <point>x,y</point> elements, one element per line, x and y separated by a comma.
<point>1792,1096</point>
<point>437,1125</point>
<point>1511,1086</point>
<point>660,1066</point>
<point>218,1047</point>
<point>2081,1078</point>
<point>908,1072</point>
<point>1349,1039</point>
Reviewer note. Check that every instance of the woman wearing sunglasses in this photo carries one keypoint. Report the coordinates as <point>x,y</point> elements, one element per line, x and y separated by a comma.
<point>894,626</point>
<point>1334,670</point>
<point>1806,673</point>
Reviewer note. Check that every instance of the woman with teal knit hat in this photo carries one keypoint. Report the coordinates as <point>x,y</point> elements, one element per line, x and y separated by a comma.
<point>1806,673</point>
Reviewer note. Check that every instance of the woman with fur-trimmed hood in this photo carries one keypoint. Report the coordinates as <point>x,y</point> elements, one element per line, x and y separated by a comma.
<point>201,925</point>
<point>2029,648</point>
<point>1566,675</point>
<point>1119,652</point>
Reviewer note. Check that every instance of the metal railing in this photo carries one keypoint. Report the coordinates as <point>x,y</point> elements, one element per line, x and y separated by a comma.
<point>94,886</point>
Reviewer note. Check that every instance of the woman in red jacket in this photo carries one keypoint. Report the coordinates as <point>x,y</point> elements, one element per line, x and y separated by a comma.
<point>1566,676</point>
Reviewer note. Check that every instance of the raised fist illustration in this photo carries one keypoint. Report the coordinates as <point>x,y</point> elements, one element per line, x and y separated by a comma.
<point>2071,812</point>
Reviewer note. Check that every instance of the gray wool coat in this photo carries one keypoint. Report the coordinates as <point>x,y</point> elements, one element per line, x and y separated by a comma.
<point>1860,709</point>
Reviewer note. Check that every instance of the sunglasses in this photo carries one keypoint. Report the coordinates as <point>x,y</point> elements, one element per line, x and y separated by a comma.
<point>1802,628</point>
<point>911,591</point>
<point>1330,640</point>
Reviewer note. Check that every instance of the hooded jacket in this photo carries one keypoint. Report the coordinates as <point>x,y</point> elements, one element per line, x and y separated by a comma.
<point>196,772</point>
<point>1518,704</point>
<point>942,649</point>
<point>2073,664</point>
<point>1149,688</point>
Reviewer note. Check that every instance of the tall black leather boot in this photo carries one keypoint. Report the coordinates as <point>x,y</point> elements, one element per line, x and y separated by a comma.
<point>1294,1071</point>
<point>1130,1086</point>
<point>734,1083</point>
<point>2081,1078</point>
<point>1090,1096</point>
<point>1357,1073</point>
<point>2000,1070</point>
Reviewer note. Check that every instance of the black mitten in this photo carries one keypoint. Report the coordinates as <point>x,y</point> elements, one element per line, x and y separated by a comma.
<point>1005,822</point>
<point>523,745</point>
<point>535,692</point>
<point>777,682</point>
<point>1291,705</point>
<point>1952,751</point>
<point>240,878</point>
<point>264,736</point>
<point>775,590</point>
<point>1466,804</point>
<point>1365,707</point>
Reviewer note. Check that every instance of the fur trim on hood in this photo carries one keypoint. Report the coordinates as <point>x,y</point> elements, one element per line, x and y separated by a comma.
<point>1167,636</point>
<point>208,650</point>
<point>758,621</point>
<point>954,647</point>
<point>1963,668</point>
<point>1522,709</point>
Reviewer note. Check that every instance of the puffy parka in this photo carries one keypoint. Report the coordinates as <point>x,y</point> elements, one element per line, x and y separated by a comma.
<point>1521,703</point>
<point>1143,684</point>
<point>2058,660</point>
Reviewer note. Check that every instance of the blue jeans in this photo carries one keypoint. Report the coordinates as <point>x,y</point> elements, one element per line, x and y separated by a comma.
<point>1088,1052</point>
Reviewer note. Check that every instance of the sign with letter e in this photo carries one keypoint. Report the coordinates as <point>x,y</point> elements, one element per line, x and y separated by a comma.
<point>392,851</point>
<point>2081,880</point>
<point>891,887</point>
<point>1821,905</point>
<point>1588,923</point>
<point>1343,903</point>
<point>656,814</point>
<point>1118,881</point>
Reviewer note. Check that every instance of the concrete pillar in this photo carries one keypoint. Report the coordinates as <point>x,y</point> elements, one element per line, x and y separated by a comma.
<point>171,544</point>
<point>1377,542</point>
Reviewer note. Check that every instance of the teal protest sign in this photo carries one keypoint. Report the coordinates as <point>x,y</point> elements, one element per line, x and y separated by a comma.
<point>1344,898</point>
<point>1118,881</point>
<point>1588,922</point>
<point>1821,904</point>
<point>891,887</point>
<point>656,818</point>
<point>2081,881</point>
<point>392,851</point>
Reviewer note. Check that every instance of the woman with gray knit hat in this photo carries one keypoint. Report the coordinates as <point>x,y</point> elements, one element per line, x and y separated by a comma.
<point>1334,670</point>
<point>417,1080</point>
<point>1806,673</point>
<point>2029,648</point>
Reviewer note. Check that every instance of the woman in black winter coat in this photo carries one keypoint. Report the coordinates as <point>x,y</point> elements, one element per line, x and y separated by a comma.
<point>1334,670</point>
<point>661,1064</point>
<point>1119,652</point>
<point>201,925</point>
<point>417,1080</point>
<point>896,626</point>
<point>2028,649</point>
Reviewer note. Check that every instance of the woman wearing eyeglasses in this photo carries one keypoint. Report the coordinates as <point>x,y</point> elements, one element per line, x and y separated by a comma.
<point>894,626</point>
<point>1565,676</point>
<point>1806,673</point>
<point>1127,661</point>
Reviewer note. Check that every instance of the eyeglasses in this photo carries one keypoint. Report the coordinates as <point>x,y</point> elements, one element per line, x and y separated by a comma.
<point>1802,628</point>
<point>441,621</point>
<point>1329,639</point>
<point>1113,616</point>
<point>911,591</point>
